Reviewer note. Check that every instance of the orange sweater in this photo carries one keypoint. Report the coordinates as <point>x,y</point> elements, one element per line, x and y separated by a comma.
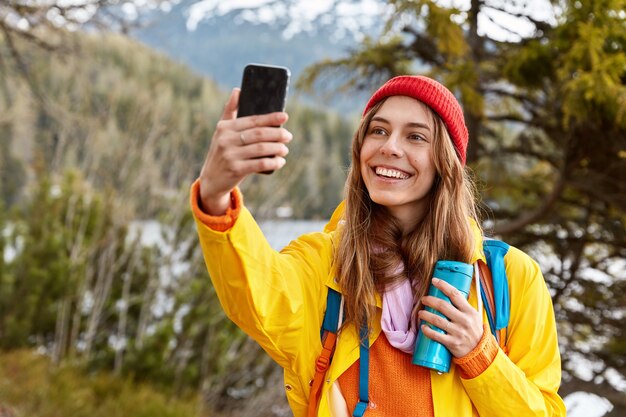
<point>392,375</point>
<point>396,386</point>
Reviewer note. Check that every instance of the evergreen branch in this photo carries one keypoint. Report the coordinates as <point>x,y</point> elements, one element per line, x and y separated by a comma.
<point>503,27</point>
<point>539,24</point>
<point>533,216</point>
<point>424,47</point>
<point>509,118</point>
<point>515,95</point>
<point>528,152</point>
<point>24,71</point>
<point>28,36</point>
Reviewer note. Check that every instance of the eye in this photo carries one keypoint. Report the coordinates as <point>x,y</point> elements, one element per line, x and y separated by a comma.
<point>377,131</point>
<point>417,137</point>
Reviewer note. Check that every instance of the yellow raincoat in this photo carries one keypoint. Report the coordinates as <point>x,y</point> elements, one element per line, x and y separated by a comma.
<point>279,300</point>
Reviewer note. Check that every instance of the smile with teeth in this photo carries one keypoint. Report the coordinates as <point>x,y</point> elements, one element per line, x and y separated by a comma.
<point>391,173</point>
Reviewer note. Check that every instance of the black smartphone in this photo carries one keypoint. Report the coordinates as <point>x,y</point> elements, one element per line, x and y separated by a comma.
<point>263,90</point>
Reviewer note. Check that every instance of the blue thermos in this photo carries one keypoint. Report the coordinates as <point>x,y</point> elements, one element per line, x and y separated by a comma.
<point>429,353</point>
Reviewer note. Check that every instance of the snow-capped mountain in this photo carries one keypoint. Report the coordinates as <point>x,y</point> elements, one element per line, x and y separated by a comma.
<point>339,18</point>
<point>219,38</point>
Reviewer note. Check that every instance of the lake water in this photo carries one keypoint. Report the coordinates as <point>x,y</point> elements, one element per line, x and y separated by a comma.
<point>280,232</point>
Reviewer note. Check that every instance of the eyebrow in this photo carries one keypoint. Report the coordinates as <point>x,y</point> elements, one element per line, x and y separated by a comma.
<point>412,124</point>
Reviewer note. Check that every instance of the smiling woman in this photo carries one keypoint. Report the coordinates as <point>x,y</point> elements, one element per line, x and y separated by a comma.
<point>409,204</point>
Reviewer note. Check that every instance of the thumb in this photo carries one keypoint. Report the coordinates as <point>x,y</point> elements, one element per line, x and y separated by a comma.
<point>230,109</point>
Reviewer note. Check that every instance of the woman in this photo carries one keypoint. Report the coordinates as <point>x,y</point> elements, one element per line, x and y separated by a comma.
<point>408,204</point>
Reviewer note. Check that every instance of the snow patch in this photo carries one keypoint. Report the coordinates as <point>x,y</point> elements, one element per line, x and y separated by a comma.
<point>585,404</point>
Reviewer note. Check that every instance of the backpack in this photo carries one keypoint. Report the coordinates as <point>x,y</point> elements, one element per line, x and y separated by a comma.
<point>494,292</point>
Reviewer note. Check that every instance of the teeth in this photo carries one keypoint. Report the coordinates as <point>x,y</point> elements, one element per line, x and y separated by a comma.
<point>391,173</point>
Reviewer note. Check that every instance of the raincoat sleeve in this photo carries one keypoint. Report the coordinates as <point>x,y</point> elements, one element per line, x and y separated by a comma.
<point>276,298</point>
<point>525,380</point>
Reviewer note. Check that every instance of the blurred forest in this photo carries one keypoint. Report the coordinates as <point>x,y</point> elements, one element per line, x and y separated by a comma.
<point>100,137</point>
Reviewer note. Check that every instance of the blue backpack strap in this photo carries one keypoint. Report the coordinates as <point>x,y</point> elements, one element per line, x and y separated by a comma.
<point>495,250</point>
<point>331,315</point>
<point>331,324</point>
<point>364,370</point>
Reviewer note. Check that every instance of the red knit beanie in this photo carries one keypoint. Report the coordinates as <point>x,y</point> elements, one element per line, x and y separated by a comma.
<point>435,96</point>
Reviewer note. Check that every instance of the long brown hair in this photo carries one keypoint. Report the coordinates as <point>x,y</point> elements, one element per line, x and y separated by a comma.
<point>372,244</point>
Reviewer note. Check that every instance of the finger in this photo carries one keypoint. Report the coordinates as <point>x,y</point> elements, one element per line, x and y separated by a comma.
<point>274,163</point>
<point>457,298</point>
<point>436,320</point>
<point>459,346</point>
<point>442,306</point>
<point>442,338</point>
<point>263,134</point>
<point>263,149</point>
<point>230,109</point>
<point>260,120</point>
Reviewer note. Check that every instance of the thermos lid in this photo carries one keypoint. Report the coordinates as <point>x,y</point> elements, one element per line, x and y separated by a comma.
<point>455,266</point>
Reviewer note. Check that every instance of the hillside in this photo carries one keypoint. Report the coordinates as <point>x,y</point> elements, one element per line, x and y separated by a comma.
<point>135,121</point>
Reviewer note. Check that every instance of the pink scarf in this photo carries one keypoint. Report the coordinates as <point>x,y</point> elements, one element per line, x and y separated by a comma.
<point>396,321</point>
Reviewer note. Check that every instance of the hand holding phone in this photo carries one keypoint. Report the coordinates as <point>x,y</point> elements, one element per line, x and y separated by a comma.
<point>231,157</point>
<point>263,90</point>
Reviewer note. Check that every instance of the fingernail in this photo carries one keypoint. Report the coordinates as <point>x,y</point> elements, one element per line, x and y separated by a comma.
<point>436,280</point>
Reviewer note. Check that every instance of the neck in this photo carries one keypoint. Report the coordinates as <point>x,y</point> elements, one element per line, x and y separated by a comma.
<point>408,217</point>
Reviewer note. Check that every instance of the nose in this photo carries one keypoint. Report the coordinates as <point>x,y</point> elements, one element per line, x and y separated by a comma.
<point>392,146</point>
